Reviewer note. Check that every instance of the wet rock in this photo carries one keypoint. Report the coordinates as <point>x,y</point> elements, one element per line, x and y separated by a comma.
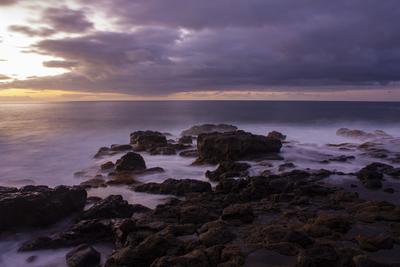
<point>276,135</point>
<point>175,187</point>
<point>238,212</point>
<point>103,151</point>
<point>336,222</point>
<point>371,211</point>
<point>186,139</point>
<point>215,233</point>
<point>144,254</point>
<point>130,162</point>
<point>228,169</point>
<point>107,166</point>
<point>231,146</point>
<point>286,166</point>
<point>318,255</point>
<point>375,243</point>
<point>143,140</point>
<point>371,178</point>
<point>195,258</point>
<point>90,231</point>
<point>165,150</point>
<point>121,178</point>
<point>5,190</point>
<point>389,190</point>
<point>120,148</point>
<point>94,183</point>
<point>83,256</point>
<point>113,206</point>
<point>365,261</point>
<point>189,153</point>
<point>359,134</point>
<point>208,128</point>
<point>39,205</point>
<point>341,158</point>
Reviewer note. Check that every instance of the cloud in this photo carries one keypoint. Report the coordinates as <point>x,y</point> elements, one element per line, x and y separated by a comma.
<point>60,64</point>
<point>188,46</point>
<point>8,2</point>
<point>32,32</point>
<point>65,19</point>
<point>4,77</point>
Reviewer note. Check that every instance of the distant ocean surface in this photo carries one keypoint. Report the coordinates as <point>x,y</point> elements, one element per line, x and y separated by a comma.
<point>47,143</point>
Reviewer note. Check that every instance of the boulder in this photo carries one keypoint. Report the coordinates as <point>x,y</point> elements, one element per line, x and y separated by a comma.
<point>242,213</point>
<point>359,134</point>
<point>83,256</point>
<point>143,140</point>
<point>230,146</point>
<point>39,205</point>
<point>215,233</point>
<point>120,147</point>
<point>370,177</point>
<point>107,165</point>
<point>189,153</point>
<point>375,243</point>
<point>175,187</point>
<point>111,207</point>
<point>130,162</point>
<point>208,128</point>
<point>94,183</point>
<point>228,169</point>
<point>276,135</point>
<point>318,255</point>
<point>186,139</point>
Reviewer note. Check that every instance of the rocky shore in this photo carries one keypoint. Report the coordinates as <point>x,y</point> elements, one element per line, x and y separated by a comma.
<point>284,217</point>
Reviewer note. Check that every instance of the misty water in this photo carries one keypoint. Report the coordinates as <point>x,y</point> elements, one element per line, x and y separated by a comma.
<point>46,143</point>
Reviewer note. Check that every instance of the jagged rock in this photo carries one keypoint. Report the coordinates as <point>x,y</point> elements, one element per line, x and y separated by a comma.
<point>94,183</point>
<point>228,169</point>
<point>286,166</point>
<point>186,139</point>
<point>130,162</point>
<point>336,222</point>
<point>111,207</point>
<point>370,177</point>
<point>83,256</point>
<point>189,153</point>
<point>238,212</point>
<point>208,128</point>
<point>276,135</point>
<point>39,205</point>
<point>107,166</point>
<point>215,233</point>
<point>175,187</point>
<point>143,140</point>
<point>230,146</point>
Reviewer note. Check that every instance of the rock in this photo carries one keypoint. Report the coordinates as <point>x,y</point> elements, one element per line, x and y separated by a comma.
<point>143,140</point>
<point>175,187</point>
<point>389,190</point>
<point>165,150</point>
<point>336,222</point>
<point>39,205</point>
<point>121,178</point>
<point>228,169</point>
<point>120,148</point>
<point>215,233</point>
<point>186,139</point>
<point>359,134</point>
<point>365,261</point>
<point>286,166</point>
<point>189,153</point>
<point>276,135</point>
<point>153,247</point>
<point>371,178</point>
<point>319,255</point>
<point>375,243</point>
<point>218,147</point>
<point>83,256</point>
<point>130,162</point>
<point>103,151</point>
<point>195,258</point>
<point>94,183</point>
<point>90,231</point>
<point>208,128</point>
<point>107,166</point>
<point>371,211</point>
<point>238,212</point>
<point>341,158</point>
<point>114,206</point>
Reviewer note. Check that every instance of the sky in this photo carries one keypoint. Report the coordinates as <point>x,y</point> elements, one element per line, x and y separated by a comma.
<point>78,50</point>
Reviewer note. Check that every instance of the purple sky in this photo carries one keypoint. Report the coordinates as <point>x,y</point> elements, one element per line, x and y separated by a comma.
<point>159,47</point>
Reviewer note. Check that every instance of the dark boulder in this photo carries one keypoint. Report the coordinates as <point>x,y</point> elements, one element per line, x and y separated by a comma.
<point>83,256</point>
<point>242,213</point>
<point>143,140</point>
<point>175,187</point>
<point>208,128</point>
<point>228,169</point>
<point>107,165</point>
<point>371,177</point>
<point>39,205</point>
<point>276,135</point>
<point>189,153</point>
<point>186,139</point>
<point>113,206</point>
<point>130,162</point>
<point>230,146</point>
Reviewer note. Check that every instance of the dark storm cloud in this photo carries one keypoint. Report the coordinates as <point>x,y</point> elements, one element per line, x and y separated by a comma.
<point>65,19</point>
<point>263,44</point>
<point>32,32</point>
<point>60,64</point>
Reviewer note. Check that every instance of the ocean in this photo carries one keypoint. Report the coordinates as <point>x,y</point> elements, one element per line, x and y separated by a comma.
<point>48,143</point>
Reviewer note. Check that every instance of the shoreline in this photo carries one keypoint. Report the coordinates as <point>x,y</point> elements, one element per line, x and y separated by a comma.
<point>292,215</point>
